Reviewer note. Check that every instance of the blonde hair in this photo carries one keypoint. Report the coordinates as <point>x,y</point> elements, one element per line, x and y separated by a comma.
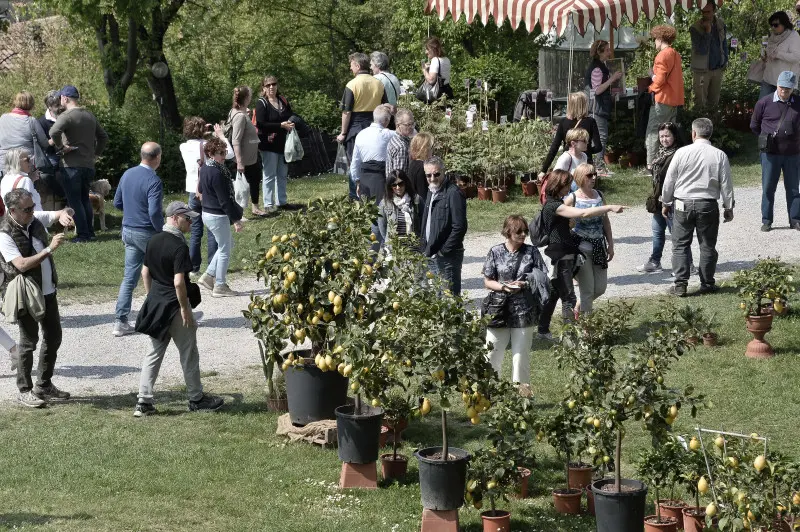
<point>24,100</point>
<point>581,173</point>
<point>267,79</point>
<point>577,106</point>
<point>421,146</point>
<point>13,160</point>
<point>576,134</point>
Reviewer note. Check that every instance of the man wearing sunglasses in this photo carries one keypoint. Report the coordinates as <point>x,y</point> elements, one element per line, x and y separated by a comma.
<point>24,251</point>
<point>444,224</point>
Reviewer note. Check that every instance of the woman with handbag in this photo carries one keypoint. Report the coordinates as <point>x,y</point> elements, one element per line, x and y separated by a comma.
<point>400,209</point>
<point>19,129</point>
<point>18,172</point>
<point>782,52</point>
<point>272,119</point>
<point>516,277</point>
<point>244,138</point>
<point>577,118</point>
<point>436,71</point>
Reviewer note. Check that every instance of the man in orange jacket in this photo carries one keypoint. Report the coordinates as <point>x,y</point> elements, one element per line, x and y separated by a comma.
<point>667,87</point>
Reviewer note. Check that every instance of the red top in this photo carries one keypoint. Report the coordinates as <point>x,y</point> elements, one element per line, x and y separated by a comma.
<point>668,78</point>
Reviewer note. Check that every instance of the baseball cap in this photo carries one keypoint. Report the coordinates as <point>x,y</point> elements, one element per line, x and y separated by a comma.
<point>179,207</point>
<point>787,79</point>
<point>70,92</point>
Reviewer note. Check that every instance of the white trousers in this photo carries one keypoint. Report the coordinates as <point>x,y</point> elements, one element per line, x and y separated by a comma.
<point>521,338</point>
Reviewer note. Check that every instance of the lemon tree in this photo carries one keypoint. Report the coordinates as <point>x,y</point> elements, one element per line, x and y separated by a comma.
<point>769,280</point>
<point>693,475</point>
<point>662,466</point>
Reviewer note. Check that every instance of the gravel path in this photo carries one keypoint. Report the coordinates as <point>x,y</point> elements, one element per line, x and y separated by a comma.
<point>92,362</point>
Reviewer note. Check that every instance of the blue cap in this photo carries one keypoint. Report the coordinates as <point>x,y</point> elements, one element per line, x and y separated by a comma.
<point>70,92</point>
<point>787,79</point>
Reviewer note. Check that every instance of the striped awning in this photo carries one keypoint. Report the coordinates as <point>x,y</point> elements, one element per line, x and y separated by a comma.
<point>555,13</point>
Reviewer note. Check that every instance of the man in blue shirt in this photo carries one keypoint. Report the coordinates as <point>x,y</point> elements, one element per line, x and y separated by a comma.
<point>139,196</point>
<point>709,57</point>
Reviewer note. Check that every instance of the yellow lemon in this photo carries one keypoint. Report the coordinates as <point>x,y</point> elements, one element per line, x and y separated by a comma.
<point>426,406</point>
<point>702,485</point>
<point>760,463</point>
<point>694,444</point>
<point>711,510</point>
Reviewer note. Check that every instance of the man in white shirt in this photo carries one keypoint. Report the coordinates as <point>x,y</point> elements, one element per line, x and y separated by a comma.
<point>698,176</point>
<point>24,251</point>
<point>368,167</point>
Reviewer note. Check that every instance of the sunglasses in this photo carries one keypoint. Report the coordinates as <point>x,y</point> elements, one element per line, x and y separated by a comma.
<point>435,174</point>
<point>268,85</point>
<point>398,184</point>
<point>592,175</point>
<point>521,232</point>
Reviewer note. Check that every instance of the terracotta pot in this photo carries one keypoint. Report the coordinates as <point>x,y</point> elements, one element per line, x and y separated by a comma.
<point>499,195</point>
<point>672,508</point>
<point>694,519</point>
<point>393,469</point>
<point>567,501</point>
<point>529,189</point>
<point>611,157</point>
<point>759,326</point>
<point>624,161</point>
<point>402,424</point>
<point>589,500</point>
<point>496,521</point>
<point>384,436</point>
<point>580,476</point>
<point>668,524</point>
<point>471,191</point>
<point>484,193</point>
<point>524,478</point>
<point>694,340</point>
<point>633,158</point>
<point>277,405</point>
<point>710,339</point>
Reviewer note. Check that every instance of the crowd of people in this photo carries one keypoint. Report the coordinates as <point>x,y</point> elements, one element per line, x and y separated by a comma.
<point>396,167</point>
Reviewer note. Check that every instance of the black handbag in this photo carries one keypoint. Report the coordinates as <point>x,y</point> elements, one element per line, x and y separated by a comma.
<point>767,142</point>
<point>40,160</point>
<point>495,305</point>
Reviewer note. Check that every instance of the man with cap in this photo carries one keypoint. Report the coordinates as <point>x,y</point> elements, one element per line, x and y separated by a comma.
<point>167,311</point>
<point>776,121</point>
<point>80,139</point>
<point>139,196</point>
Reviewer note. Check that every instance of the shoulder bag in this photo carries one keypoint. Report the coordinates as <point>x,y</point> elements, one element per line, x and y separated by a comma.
<point>767,141</point>
<point>430,92</point>
<point>40,162</point>
<point>494,304</point>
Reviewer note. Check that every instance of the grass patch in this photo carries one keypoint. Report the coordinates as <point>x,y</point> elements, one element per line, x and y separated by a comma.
<point>228,471</point>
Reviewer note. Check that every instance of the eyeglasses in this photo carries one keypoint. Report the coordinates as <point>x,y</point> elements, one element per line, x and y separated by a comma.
<point>435,174</point>
<point>775,24</point>
<point>26,210</point>
<point>591,176</point>
<point>398,184</point>
<point>268,85</point>
<point>406,124</point>
<point>521,232</point>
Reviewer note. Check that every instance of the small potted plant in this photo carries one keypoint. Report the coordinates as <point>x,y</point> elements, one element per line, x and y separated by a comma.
<point>692,322</point>
<point>694,480</point>
<point>708,330</point>
<point>492,473</point>
<point>662,465</point>
<point>561,430</point>
<point>398,406</point>
<point>277,402</point>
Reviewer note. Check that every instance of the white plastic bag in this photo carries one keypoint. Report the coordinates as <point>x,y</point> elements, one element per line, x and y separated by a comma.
<point>294,148</point>
<point>241,190</point>
<point>341,163</point>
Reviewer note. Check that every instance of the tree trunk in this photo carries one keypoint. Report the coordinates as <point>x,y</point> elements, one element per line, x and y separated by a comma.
<point>617,464</point>
<point>163,88</point>
<point>119,58</point>
<point>445,447</point>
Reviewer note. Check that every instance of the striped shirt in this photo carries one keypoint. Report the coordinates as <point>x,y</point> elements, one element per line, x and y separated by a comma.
<point>397,154</point>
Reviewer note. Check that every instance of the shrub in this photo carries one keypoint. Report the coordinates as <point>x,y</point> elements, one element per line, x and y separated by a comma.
<point>318,110</point>
<point>501,73</point>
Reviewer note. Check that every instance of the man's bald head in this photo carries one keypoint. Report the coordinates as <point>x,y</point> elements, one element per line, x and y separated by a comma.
<point>151,154</point>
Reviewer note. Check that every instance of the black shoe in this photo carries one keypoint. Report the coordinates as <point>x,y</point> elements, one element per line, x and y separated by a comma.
<point>708,289</point>
<point>79,240</point>
<point>50,393</point>
<point>677,290</point>
<point>144,409</point>
<point>795,225</point>
<point>766,228</point>
<point>208,403</point>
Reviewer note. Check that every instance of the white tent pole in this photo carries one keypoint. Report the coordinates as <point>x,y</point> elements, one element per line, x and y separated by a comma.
<point>571,51</point>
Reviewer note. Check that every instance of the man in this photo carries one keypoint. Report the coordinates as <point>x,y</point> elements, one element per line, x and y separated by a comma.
<point>379,65</point>
<point>167,313</point>
<point>778,115</point>
<point>709,57</point>
<point>398,148</point>
<point>139,196</point>
<point>368,165</point>
<point>361,96</point>
<point>80,139</point>
<point>698,176</point>
<point>444,224</point>
<point>24,251</point>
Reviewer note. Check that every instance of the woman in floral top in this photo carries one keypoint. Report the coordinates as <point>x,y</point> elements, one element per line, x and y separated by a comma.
<point>517,270</point>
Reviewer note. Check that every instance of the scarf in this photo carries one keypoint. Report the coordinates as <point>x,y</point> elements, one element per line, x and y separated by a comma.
<point>662,155</point>
<point>221,167</point>
<point>18,111</point>
<point>174,231</point>
<point>775,41</point>
<point>404,203</point>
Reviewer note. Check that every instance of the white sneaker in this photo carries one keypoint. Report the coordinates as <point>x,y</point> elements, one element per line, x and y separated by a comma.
<point>123,328</point>
<point>223,290</point>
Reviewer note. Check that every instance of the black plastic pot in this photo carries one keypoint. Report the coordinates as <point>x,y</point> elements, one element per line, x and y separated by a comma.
<point>619,512</point>
<point>442,483</point>
<point>358,434</point>
<point>314,394</point>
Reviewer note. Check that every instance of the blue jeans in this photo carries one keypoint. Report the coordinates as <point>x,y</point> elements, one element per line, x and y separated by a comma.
<point>766,88</point>
<point>660,226</point>
<point>771,166</point>
<point>220,227</point>
<point>275,176</point>
<point>448,267</point>
<point>135,241</point>
<point>76,188</point>
<point>196,238</point>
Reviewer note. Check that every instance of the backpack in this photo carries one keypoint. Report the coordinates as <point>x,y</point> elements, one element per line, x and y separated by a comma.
<point>538,231</point>
<point>227,126</point>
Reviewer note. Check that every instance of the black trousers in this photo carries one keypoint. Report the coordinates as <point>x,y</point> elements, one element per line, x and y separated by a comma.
<point>29,337</point>
<point>702,217</point>
<point>253,175</point>
<point>560,288</point>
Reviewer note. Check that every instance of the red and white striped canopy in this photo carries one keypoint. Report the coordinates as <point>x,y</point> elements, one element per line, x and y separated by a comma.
<point>555,13</point>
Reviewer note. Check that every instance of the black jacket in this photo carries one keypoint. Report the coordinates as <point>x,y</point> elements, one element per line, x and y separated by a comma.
<point>593,146</point>
<point>448,221</point>
<point>218,196</point>
<point>271,136</point>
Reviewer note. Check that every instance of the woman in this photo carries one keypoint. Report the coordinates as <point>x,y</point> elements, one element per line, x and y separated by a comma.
<point>195,130</point>
<point>400,209</point>
<point>669,140</point>
<point>18,129</point>
<point>420,150</point>
<point>272,118</point>
<point>438,66</point>
<point>577,117</point>
<point>220,210</point>
<point>570,160</point>
<point>599,79</point>
<point>781,53</point>
<point>18,172</point>
<point>596,243</point>
<point>667,87</point>
<point>517,270</point>
<point>53,108</point>
<point>244,137</point>
<point>563,247</point>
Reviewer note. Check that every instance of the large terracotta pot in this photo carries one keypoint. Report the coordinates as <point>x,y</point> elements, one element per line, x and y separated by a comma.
<point>484,193</point>
<point>694,519</point>
<point>567,501</point>
<point>499,195</point>
<point>759,326</point>
<point>672,508</point>
<point>529,188</point>
<point>580,476</point>
<point>667,524</point>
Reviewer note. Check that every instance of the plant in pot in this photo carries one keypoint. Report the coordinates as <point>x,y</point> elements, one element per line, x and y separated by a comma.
<point>561,430</point>
<point>492,474</point>
<point>767,280</point>
<point>694,478</point>
<point>277,402</point>
<point>708,331</point>
<point>630,388</point>
<point>399,404</point>
<point>692,322</point>
<point>662,466</point>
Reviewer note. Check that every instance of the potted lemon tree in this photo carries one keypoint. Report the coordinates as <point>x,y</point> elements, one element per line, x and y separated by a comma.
<point>661,466</point>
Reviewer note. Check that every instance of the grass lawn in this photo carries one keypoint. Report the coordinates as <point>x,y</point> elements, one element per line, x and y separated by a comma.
<point>93,272</point>
<point>90,465</point>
